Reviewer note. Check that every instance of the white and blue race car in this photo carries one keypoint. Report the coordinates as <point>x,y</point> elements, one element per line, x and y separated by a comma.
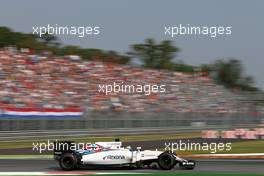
<point>113,154</point>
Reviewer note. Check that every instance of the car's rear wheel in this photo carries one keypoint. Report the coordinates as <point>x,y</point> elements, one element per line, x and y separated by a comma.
<point>68,162</point>
<point>166,161</point>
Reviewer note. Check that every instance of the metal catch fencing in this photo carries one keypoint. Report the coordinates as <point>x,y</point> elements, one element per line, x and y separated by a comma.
<point>107,120</point>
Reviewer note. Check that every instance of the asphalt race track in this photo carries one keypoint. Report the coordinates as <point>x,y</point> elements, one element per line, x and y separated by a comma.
<point>203,165</point>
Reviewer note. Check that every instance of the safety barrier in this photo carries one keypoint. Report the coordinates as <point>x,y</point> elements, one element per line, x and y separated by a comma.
<point>109,120</point>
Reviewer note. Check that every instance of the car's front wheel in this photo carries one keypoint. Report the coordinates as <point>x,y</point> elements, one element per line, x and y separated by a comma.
<point>68,162</point>
<point>166,161</point>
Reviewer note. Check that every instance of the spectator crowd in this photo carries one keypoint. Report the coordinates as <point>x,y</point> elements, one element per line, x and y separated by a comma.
<point>34,81</point>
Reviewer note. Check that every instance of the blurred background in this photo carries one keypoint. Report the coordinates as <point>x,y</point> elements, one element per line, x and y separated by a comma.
<point>49,84</point>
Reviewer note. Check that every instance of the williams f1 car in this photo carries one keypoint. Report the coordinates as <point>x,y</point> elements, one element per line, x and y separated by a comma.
<point>113,154</point>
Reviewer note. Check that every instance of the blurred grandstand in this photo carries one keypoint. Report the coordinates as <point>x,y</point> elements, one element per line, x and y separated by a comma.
<point>47,83</point>
<point>49,87</point>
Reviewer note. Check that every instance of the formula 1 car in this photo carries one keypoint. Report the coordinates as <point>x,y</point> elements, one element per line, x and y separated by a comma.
<point>113,154</point>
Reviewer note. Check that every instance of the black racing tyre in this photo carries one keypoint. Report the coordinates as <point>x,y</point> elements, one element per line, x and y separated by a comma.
<point>166,161</point>
<point>68,162</point>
